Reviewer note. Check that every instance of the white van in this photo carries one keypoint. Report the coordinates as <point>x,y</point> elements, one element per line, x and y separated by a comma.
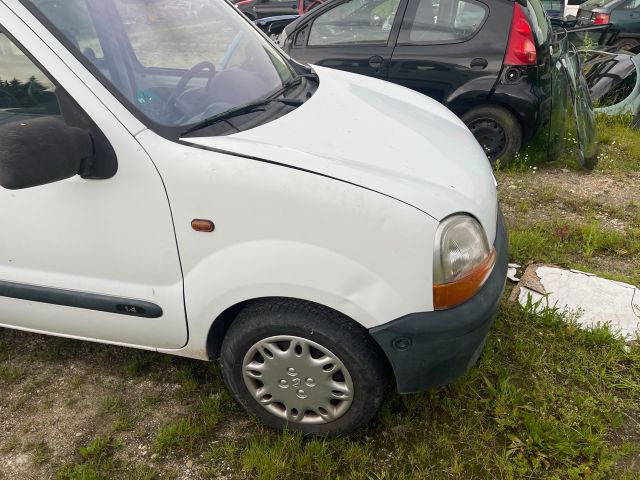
<point>174,182</point>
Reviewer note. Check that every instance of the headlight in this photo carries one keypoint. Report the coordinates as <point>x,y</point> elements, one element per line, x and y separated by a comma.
<point>462,261</point>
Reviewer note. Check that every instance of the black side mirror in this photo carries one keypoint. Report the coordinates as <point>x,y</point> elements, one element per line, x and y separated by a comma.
<point>41,150</point>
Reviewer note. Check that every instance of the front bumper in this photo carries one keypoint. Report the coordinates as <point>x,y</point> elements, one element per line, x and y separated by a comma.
<point>432,349</point>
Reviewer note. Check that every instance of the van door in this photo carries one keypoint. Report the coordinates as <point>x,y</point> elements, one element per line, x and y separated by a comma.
<point>94,259</point>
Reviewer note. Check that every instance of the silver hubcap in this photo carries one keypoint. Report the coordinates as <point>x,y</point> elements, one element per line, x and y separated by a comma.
<point>297,379</point>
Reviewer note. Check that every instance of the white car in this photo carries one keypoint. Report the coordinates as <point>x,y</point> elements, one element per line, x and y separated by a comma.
<point>174,182</point>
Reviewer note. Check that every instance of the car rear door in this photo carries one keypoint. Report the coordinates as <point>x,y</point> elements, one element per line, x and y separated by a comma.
<point>352,35</point>
<point>451,50</point>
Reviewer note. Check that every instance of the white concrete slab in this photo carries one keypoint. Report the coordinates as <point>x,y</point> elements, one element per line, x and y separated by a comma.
<point>595,300</point>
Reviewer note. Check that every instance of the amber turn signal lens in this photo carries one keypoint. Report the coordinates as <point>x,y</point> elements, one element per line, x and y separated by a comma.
<point>200,225</point>
<point>447,295</point>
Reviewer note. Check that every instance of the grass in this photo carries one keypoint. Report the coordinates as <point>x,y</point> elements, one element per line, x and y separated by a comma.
<point>619,149</point>
<point>620,145</point>
<point>41,452</point>
<point>10,375</point>
<point>547,400</point>
<point>578,245</point>
<point>9,444</point>
<point>97,462</point>
<point>559,240</point>
<point>189,433</point>
<point>113,404</point>
<point>536,409</point>
<point>533,408</point>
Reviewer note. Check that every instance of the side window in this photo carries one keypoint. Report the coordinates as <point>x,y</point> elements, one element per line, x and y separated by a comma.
<point>25,92</point>
<point>441,21</point>
<point>355,22</point>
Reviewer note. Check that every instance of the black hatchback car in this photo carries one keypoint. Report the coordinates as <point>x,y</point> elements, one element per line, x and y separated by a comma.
<point>489,61</point>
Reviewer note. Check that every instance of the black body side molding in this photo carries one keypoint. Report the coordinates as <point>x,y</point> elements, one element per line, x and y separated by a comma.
<point>77,299</point>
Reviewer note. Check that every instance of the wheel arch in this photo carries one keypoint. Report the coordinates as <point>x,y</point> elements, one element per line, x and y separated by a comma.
<point>491,103</point>
<point>244,272</point>
<point>221,324</point>
<point>462,105</point>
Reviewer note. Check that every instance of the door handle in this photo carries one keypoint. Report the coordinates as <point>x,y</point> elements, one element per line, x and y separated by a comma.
<point>479,63</point>
<point>376,62</point>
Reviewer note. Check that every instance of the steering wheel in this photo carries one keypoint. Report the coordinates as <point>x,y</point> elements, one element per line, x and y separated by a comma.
<point>187,77</point>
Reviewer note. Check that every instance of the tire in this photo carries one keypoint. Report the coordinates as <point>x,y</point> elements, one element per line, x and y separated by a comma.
<point>628,44</point>
<point>497,131</point>
<point>357,367</point>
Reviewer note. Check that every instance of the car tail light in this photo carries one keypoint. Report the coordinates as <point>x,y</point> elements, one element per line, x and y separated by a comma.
<point>521,49</point>
<point>602,18</point>
<point>243,2</point>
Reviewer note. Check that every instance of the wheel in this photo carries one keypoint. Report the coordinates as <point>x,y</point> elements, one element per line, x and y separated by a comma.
<point>303,366</point>
<point>628,44</point>
<point>497,131</point>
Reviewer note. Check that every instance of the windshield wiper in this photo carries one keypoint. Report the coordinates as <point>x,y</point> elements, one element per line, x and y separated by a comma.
<point>251,107</point>
<point>294,82</point>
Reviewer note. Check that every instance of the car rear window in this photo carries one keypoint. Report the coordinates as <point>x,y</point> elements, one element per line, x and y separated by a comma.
<point>441,21</point>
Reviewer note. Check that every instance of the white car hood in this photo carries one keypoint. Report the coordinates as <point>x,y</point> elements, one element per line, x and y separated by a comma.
<point>382,137</point>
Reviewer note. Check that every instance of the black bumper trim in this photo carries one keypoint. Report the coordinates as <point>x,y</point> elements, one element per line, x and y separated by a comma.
<point>431,349</point>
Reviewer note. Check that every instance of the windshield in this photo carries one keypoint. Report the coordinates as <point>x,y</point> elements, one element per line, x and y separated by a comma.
<point>177,62</point>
